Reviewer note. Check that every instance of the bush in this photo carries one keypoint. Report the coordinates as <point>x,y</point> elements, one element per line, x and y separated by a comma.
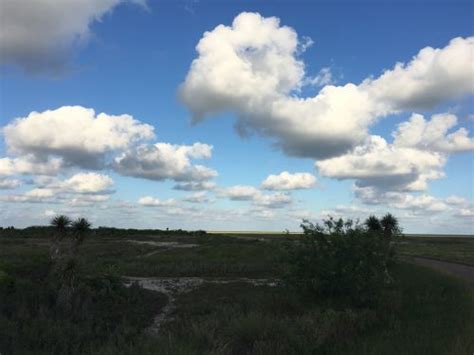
<point>340,259</point>
<point>104,313</point>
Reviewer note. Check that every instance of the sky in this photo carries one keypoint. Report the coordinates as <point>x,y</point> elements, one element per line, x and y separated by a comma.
<point>237,115</point>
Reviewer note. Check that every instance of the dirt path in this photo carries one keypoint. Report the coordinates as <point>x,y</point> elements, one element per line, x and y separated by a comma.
<point>464,272</point>
<point>163,246</point>
<point>174,286</point>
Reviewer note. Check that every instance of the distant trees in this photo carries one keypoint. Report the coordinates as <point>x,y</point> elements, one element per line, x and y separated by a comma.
<point>388,225</point>
<point>64,226</point>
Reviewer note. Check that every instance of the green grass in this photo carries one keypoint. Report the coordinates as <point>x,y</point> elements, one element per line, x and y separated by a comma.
<point>214,256</point>
<point>454,249</point>
<point>428,313</point>
<point>250,259</point>
<point>436,316</point>
<point>103,312</point>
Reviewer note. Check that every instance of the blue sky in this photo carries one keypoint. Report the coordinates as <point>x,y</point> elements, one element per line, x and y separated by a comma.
<point>134,58</point>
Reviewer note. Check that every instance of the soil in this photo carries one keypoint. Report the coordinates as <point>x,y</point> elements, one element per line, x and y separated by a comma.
<point>172,287</point>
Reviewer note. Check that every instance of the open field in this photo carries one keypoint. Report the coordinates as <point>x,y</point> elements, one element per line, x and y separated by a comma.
<point>452,248</point>
<point>219,294</point>
<point>446,248</point>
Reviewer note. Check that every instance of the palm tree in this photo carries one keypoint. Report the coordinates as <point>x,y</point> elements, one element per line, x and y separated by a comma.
<point>61,224</point>
<point>80,227</point>
<point>373,224</point>
<point>390,226</point>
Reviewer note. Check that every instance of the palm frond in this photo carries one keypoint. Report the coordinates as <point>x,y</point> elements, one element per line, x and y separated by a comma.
<point>81,225</point>
<point>60,222</point>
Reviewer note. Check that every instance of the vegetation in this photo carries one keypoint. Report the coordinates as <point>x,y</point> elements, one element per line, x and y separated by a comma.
<point>403,310</point>
<point>60,224</point>
<point>56,310</point>
<point>448,248</point>
<point>342,259</point>
<point>63,270</point>
<point>430,314</point>
<point>31,322</point>
<point>390,226</point>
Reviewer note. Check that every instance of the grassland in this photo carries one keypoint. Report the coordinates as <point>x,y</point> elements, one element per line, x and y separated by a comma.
<point>426,313</point>
<point>445,248</point>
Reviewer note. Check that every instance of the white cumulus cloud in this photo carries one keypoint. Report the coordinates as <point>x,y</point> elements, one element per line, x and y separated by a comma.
<point>79,189</point>
<point>240,192</point>
<point>253,68</point>
<point>288,181</point>
<point>88,183</point>
<point>421,203</point>
<point>75,134</point>
<point>433,76</point>
<point>418,154</point>
<point>35,196</point>
<point>433,135</point>
<point>155,202</point>
<point>386,166</point>
<point>29,165</point>
<point>275,200</point>
<point>87,200</point>
<point>257,197</point>
<point>163,161</point>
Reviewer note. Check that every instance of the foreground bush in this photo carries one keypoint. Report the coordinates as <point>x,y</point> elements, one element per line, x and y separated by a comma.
<point>103,312</point>
<point>341,259</point>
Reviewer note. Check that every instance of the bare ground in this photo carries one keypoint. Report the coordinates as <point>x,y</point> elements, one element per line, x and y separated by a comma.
<point>172,287</point>
<point>164,246</point>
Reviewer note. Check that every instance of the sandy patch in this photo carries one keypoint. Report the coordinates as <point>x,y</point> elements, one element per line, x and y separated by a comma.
<point>172,287</point>
<point>162,244</point>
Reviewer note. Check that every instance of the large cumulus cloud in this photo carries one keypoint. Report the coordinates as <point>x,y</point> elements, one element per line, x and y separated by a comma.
<point>74,133</point>
<point>418,154</point>
<point>253,68</point>
<point>71,137</point>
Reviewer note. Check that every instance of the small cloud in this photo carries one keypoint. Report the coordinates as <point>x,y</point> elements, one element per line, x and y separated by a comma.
<point>195,186</point>
<point>49,213</point>
<point>323,78</point>
<point>287,181</point>
<point>155,202</point>
<point>250,193</point>
<point>198,197</point>
<point>8,184</point>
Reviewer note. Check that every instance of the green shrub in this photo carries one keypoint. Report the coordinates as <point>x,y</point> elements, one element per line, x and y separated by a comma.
<point>340,259</point>
<point>103,312</point>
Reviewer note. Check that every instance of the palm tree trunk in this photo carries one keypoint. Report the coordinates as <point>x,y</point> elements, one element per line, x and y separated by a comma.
<point>66,291</point>
<point>54,250</point>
